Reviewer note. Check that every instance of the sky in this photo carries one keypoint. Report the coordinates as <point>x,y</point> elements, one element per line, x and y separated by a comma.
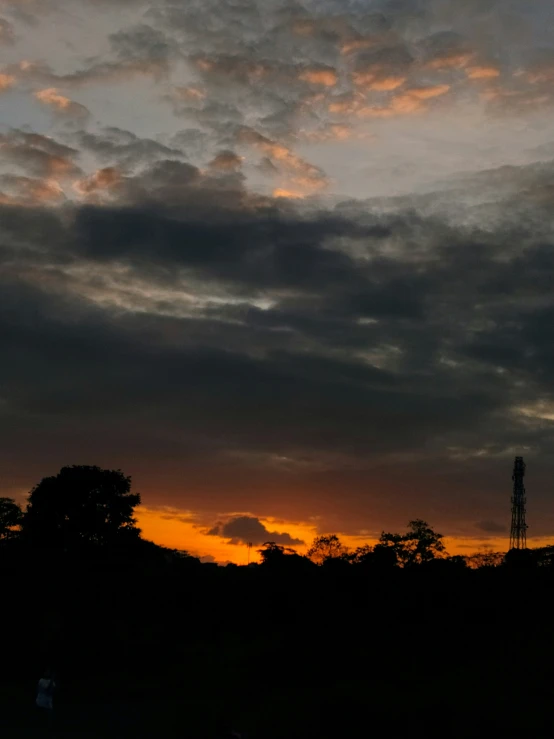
<point>287,264</point>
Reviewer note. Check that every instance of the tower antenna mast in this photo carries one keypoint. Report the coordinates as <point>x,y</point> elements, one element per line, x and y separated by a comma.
<point>518,530</point>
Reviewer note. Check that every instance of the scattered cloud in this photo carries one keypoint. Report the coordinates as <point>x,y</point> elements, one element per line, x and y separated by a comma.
<point>6,81</point>
<point>29,192</point>
<point>60,103</point>
<point>249,529</point>
<point>303,174</point>
<point>410,101</point>
<point>482,73</point>
<point>226,160</point>
<point>322,76</point>
<point>105,179</point>
<point>39,155</point>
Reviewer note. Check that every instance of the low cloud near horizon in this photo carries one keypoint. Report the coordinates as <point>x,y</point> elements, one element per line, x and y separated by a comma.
<point>250,530</point>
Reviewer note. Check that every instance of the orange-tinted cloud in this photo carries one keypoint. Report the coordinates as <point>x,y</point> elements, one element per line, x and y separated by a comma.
<point>356,45</point>
<point>281,192</point>
<point>6,81</point>
<point>411,101</point>
<point>62,104</point>
<point>325,77</point>
<point>45,191</point>
<point>450,60</point>
<point>103,179</point>
<point>427,92</point>
<point>28,66</point>
<point>305,175</point>
<point>189,93</point>
<point>31,192</point>
<point>346,104</point>
<point>482,73</point>
<point>60,166</point>
<point>378,81</point>
<point>52,97</point>
<point>226,161</point>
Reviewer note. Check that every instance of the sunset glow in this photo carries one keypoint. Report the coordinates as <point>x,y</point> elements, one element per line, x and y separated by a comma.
<point>287,264</point>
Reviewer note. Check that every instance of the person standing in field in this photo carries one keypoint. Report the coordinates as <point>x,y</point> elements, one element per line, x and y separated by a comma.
<point>45,696</point>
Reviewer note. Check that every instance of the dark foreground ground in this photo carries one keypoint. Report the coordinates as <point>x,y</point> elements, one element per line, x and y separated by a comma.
<point>280,656</point>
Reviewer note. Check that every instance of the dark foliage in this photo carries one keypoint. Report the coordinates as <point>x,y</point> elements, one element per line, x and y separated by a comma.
<point>398,638</point>
<point>11,517</point>
<point>81,507</point>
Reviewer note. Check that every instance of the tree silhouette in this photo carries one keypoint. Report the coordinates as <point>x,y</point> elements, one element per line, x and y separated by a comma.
<point>486,559</point>
<point>326,547</point>
<point>379,557</point>
<point>524,559</point>
<point>419,545</point>
<point>271,553</point>
<point>11,516</point>
<point>279,557</point>
<point>80,506</point>
<point>361,555</point>
<point>545,556</point>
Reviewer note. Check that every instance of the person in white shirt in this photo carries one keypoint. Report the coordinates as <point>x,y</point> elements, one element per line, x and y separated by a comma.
<point>45,693</point>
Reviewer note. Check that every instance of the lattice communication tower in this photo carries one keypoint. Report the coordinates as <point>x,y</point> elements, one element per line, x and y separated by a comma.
<point>518,531</point>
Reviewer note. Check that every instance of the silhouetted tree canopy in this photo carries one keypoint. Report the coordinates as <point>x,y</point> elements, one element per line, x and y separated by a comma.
<point>326,547</point>
<point>420,544</point>
<point>485,560</point>
<point>545,556</point>
<point>119,622</point>
<point>272,553</point>
<point>379,557</point>
<point>522,558</point>
<point>11,516</point>
<point>80,506</point>
<point>278,557</point>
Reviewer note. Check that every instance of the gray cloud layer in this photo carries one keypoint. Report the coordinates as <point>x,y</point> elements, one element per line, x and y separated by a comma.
<point>158,310</point>
<point>252,331</point>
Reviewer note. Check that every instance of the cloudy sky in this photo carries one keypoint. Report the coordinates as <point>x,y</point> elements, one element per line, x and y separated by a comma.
<point>288,264</point>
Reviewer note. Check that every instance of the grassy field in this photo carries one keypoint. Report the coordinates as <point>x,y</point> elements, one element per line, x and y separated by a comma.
<point>280,659</point>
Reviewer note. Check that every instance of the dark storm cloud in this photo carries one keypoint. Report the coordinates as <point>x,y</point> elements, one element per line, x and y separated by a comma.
<point>338,337</point>
<point>357,350</point>
<point>261,252</point>
<point>248,529</point>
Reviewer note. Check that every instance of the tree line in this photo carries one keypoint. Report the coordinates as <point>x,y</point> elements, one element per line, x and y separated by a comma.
<point>89,510</point>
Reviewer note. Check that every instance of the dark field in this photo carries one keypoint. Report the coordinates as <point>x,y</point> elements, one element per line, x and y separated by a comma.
<point>149,652</point>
